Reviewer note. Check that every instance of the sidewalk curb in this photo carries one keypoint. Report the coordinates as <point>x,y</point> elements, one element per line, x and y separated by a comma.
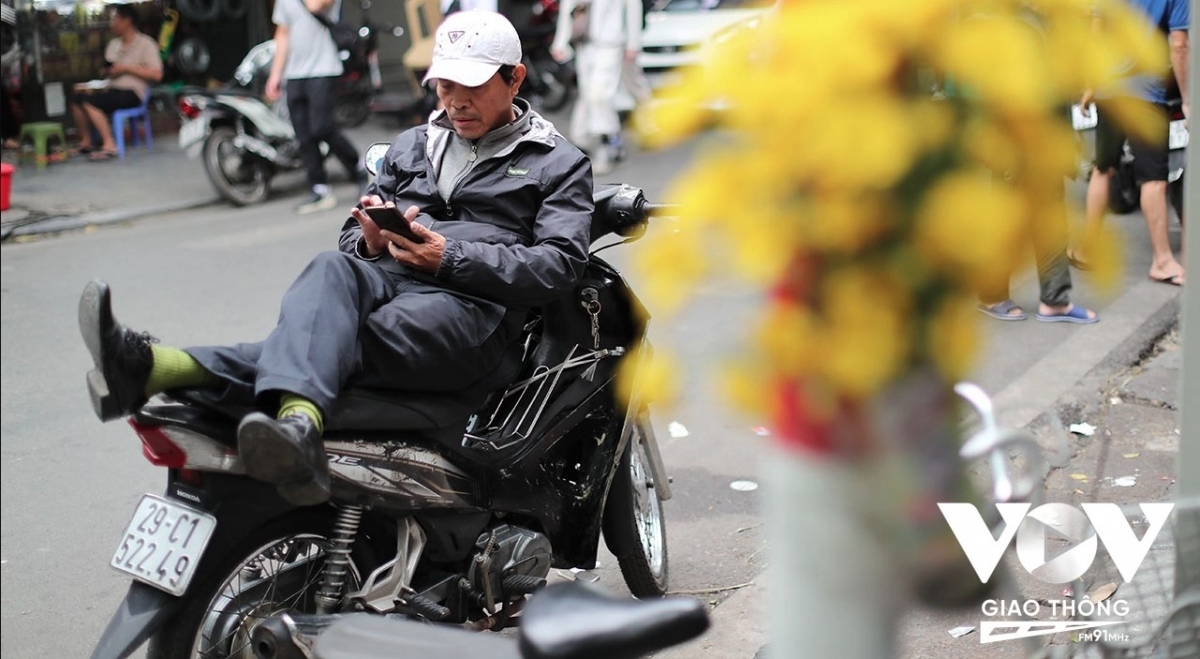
<point>1137,346</point>
<point>60,223</point>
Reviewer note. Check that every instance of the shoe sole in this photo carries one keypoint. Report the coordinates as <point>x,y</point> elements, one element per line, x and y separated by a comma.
<point>309,209</point>
<point>1067,319</point>
<point>272,458</point>
<point>95,305</point>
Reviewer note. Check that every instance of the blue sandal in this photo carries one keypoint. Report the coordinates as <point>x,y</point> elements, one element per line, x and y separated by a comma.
<point>1003,310</point>
<point>1077,315</point>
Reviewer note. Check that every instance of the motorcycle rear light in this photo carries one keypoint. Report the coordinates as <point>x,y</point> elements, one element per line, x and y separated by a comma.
<point>158,447</point>
<point>179,448</point>
<point>190,106</point>
<point>1177,115</point>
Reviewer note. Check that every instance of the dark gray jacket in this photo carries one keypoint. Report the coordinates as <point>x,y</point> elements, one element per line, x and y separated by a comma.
<point>516,226</point>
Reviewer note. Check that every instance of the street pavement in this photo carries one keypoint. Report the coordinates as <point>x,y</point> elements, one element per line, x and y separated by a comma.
<point>1120,375</point>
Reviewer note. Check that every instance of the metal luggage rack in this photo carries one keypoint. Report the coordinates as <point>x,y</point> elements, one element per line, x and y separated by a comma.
<point>519,409</point>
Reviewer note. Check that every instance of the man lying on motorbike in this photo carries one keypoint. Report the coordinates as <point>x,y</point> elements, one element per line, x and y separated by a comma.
<point>502,203</point>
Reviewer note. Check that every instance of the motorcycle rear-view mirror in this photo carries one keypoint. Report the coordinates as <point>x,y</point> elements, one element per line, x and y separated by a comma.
<point>373,158</point>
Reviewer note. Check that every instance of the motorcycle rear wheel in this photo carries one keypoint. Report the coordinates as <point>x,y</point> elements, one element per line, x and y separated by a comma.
<point>635,529</point>
<point>275,569</point>
<point>239,177</point>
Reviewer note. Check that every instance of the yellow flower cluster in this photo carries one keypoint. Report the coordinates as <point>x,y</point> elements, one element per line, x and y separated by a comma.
<point>877,163</point>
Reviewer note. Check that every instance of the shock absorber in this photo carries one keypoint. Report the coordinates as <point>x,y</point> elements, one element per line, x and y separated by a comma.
<point>337,558</point>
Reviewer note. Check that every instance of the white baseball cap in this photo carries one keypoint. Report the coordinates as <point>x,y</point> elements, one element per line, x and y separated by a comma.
<point>471,46</point>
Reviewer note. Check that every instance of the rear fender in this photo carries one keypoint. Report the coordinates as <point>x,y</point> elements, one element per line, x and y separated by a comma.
<point>140,614</point>
<point>241,505</point>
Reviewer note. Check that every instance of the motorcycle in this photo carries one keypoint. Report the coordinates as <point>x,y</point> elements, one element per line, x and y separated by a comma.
<point>548,82</point>
<point>245,142</point>
<point>446,508</point>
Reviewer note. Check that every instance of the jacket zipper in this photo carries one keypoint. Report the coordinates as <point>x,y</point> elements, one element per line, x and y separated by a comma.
<point>471,158</point>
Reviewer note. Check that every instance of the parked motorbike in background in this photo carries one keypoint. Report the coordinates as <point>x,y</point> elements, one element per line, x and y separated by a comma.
<point>446,507</point>
<point>244,142</point>
<point>548,82</point>
<point>1124,194</point>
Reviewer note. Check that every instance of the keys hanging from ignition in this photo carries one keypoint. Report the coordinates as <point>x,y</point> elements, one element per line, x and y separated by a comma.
<point>591,304</point>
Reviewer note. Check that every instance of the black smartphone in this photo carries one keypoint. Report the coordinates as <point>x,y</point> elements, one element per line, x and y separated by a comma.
<point>390,218</point>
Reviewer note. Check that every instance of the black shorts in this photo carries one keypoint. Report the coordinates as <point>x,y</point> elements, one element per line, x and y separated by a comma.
<point>1149,157</point>
<point>110,100</point>
<point>1110,138</point>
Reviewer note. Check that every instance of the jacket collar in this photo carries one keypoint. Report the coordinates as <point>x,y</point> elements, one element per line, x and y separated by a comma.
<point>529,127</point>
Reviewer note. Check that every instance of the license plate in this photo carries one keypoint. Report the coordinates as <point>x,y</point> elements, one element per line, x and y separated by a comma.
<point>163,543</point>
<point>1179,135</point>
<point>192,132</point>
<point>1081,122</point>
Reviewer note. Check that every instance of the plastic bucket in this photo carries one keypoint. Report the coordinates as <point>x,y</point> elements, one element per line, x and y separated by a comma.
<point>6,173</point>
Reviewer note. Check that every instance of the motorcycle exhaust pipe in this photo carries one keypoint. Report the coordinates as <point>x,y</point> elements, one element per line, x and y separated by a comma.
<point>288,636</point>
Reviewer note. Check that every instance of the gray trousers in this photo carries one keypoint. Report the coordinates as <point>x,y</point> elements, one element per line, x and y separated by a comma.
<point>345,321</point>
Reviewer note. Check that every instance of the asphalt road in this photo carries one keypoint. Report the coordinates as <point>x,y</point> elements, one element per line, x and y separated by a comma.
<point>216,275</point>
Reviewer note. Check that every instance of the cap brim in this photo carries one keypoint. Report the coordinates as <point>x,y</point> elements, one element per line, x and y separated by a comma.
<point>463,72</point>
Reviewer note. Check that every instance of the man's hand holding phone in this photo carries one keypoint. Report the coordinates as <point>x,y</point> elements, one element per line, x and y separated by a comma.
<point>384,227</point>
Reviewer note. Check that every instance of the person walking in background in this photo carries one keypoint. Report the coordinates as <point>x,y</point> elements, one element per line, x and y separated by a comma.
<point>310,70</point>
<point>132,63</point>
<point>10,54</point>
<point>1054,282</point>
<point>1149,157</point>
<point>606,35</point>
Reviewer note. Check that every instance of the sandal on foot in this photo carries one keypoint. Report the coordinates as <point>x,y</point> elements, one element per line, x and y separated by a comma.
<point>82,150</point>
<point>102,155</point>
<point>1003,310</point>
<point>1077,315</point>
<point>1172,280</point>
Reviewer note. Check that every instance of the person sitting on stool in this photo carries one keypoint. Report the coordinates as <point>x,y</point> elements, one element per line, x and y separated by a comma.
<point>132,64</point>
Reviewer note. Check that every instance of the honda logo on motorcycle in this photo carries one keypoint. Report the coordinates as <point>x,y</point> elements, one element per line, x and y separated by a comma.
<point>1098,523</point>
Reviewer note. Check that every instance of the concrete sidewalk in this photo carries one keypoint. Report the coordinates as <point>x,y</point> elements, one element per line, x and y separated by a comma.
<point>78,193</point>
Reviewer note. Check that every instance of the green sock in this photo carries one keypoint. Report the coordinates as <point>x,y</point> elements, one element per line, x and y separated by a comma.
<point>292,404</point>
<point>175,369</point>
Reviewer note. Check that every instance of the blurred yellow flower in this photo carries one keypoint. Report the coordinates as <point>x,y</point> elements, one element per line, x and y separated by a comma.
<point>879,206</point>
<point>970,227</point>
<point>953,336</point>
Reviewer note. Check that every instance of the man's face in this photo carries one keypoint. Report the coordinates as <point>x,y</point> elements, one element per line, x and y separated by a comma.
<point>475,111</point>
<point>120,25</point>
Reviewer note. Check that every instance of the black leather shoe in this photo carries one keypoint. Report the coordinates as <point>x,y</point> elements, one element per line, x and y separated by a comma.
<point>123,357</point>
<point>288,453</point>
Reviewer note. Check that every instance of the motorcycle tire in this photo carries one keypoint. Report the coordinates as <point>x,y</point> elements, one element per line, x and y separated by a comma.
<point>237,176</point>
<point>635,529</point>
<point>200,11</point>
<point>352,111</point>
<point>233,9</point>
<point>1123,194</point>
<point>1175,196</point>
<point>277,568</point>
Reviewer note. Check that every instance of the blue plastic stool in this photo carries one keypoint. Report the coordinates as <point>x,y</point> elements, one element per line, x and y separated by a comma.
<point>133,116</point>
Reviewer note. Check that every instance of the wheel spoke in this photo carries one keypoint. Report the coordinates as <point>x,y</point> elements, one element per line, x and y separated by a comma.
<point>282,576</point>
